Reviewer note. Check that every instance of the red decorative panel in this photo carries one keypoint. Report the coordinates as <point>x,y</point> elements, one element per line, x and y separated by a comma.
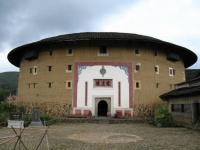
<point>78,112</point>
<point>119,114</point>
<point>127,113</point>
<point>87,113</point>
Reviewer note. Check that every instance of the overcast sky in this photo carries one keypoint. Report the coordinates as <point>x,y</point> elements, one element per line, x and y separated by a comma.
<point>24,21</point>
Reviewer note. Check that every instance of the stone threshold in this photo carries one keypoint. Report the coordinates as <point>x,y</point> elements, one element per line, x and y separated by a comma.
<point>101,120</point>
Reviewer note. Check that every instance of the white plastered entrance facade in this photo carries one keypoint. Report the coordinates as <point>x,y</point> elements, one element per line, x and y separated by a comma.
<point>88,73</point>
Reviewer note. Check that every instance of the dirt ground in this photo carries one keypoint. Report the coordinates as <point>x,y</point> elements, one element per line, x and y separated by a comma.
<point>107,137</point>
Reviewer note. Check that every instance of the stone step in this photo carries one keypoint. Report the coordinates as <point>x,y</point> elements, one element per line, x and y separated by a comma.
<point>36,124</point>
<point>100,120</point>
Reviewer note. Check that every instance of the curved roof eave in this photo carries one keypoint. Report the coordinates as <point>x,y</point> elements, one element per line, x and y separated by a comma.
<point>187,56</point>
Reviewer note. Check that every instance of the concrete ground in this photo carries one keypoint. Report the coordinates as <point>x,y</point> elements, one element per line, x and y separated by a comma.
<point>85,136</point>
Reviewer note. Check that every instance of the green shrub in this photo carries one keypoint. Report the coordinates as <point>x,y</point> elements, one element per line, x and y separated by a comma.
<point>6,107</point>
<point>4,93</point>
<point>47,120</point>
<point>3,118</point>
<point>21,109</point>
<point>27,119</point>
<point>162,117</point>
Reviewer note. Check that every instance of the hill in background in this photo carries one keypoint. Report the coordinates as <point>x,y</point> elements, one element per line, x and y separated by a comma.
<point>192,73</point>
<point>8,84</point>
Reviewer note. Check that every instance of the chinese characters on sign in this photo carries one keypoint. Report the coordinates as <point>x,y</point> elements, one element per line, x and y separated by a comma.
<point>103,83</point>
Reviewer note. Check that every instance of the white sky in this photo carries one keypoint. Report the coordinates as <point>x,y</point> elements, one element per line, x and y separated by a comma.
<point>176,21</point>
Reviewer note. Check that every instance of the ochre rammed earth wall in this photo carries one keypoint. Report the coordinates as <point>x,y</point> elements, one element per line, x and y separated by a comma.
<point>146,96</point>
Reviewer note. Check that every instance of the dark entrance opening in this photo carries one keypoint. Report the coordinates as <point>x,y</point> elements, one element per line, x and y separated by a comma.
<point>102,108</point>
<point>196,112</point>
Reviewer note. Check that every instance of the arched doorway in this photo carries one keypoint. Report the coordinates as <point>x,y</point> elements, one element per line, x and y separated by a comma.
<point>102,108</point>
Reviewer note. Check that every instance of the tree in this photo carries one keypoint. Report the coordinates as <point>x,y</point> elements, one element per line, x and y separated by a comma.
<point>4,93</point>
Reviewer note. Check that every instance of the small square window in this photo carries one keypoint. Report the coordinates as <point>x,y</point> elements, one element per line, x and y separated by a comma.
<point>137,85</point>
<point>155,53</point>
<point>69,84</point>
<point>50,68</point>
<point>50,53</point>
<point>50,84</point>
<point>172,71</point>
<point>69,68</point>
<point>103,51</point>
<point>70,52</point>
<point>35,70</point>
<point>34,85</point>
<point>156,68</point>
<point>31,70</point>
<point>157,85</point>
<point>137,67</point>
<point>137,51</point>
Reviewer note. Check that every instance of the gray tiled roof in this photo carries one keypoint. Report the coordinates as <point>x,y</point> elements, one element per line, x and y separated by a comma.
<point>107,38</point>
<point>181,92</point>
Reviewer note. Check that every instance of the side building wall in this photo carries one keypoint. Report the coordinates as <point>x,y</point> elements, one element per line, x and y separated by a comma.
<point>185,110</point>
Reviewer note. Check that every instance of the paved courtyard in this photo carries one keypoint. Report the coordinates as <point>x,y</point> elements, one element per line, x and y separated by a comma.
<point>108,136</point>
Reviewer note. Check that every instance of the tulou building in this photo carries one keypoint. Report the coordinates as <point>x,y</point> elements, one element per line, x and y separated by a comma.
<point>99,73</point>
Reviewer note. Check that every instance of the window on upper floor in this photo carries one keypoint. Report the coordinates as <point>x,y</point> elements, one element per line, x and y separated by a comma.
<point>29,85</point>
<point>157,69</point>
<point>31,70</point>
<point>34,85</point>
<point>69,68</point>
<point>31,55</point>
<point>157,85</point>
<point>172,72</point>
<point>50,84</point>
<point>137,51</point>
<point>103,51</point>
<point>50,53</point>
<point>155,53</point>
<point>137,67</point>
<point>70,52</point>
<point>49,68</point>
<point>173,56</point>
<point>137,85</point>
<point>35,68</point>
<point>69,84</point>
